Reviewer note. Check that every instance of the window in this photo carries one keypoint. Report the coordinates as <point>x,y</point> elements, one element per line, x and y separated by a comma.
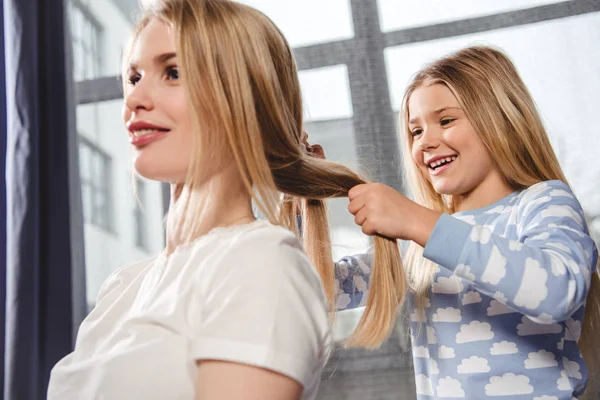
<point>86,33</point>
<point>396,14</point>
<point>298,19</point>
<point>95,167</point>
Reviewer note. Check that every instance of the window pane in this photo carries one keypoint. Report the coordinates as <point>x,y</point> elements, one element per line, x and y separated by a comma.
<point>309,21</point>
<point>103,30</point>
<point>566,90</point>
<point>326,93</point>
<point>396,15</point>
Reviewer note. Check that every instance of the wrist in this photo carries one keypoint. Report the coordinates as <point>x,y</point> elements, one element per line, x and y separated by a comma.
<point>422,224</point>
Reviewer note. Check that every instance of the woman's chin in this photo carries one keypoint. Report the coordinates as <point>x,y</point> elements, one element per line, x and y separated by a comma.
<point>157,172</point>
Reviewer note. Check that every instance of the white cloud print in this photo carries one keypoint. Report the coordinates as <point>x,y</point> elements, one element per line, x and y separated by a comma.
<point>540,359</point>
<point>431,338</point>
<point>473,365</point>
<point>560,192</point>
<point>572,368</point>
<point>474,332</point>
<point>562,211</point>
<point>446,352</point>
<point>423,385</point>
<point>504,347</point>
<point>563,382</point>
<point>495,210</point>
<point>480,234</point>
<point>421,352</point>
<point>528,327</point>
<point>543,318</point>
<point>495,269</point>
<point>451,285</point>
<point>533,191</point>
<point>343,300</point>
<point>450,387</point>
<point>545,398</point>
<point>515,246</point>
<point>498,308</point>
<point>533,288</point>
<point>448,314</point>
<point>464,271</point>
<point>508,384</point>
<point>559,246</point>
<point>500,297</point>
<point>471,297</point>
<point>573,330</point>
<point>361,284</point>
<point>433,367</point>
<point>417,315</point>
<point>469,219</point>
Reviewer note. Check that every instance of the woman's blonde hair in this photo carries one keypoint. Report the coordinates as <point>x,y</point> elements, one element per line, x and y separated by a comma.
<point>242,84</point>
<point>497,103</point>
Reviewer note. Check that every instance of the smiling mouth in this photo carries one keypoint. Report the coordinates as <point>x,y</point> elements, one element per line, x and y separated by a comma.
<point>440,163</point>
<point>143,132</point>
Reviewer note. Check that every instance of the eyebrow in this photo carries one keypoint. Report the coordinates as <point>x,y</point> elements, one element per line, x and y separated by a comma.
<point>438,111</point>
<point>159,59</point>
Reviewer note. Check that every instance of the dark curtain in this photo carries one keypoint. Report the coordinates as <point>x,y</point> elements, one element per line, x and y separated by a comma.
<point>2,197</point>
<point>41,261</point>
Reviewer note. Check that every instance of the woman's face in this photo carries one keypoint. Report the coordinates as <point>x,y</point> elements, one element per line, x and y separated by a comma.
<point>156,112</point>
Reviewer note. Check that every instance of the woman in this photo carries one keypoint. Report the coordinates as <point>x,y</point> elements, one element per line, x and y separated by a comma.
<point>233,308</point>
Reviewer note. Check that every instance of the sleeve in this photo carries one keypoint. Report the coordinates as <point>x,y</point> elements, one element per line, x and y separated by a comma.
<point>352,274</point>
<point>263,304</point>
<point>544,274</point>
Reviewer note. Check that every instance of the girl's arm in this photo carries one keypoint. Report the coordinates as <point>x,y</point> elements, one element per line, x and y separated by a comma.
<point>352,274</point>
<point>545,274</point>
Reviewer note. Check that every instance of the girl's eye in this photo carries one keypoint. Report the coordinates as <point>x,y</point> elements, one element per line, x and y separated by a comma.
<point>416,132</point>
<point>172,73</point>
<point>446,121</point>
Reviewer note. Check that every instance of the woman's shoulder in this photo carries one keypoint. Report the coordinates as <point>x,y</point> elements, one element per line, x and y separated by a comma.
<point>123,275</point>
<point>262,248</point>
<point>266,236</point>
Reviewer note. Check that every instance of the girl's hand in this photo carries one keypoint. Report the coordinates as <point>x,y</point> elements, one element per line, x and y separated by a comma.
<point>381,210</point>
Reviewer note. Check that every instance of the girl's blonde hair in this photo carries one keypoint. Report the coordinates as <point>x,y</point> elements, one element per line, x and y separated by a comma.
<point>497,103</point>
<point>242,84</point>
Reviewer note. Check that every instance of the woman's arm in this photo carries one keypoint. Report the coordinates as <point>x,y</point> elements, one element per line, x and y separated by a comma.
<point>217,380</point>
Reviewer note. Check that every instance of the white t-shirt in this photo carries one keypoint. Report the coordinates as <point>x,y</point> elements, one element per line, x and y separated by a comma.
<point>246,294</point>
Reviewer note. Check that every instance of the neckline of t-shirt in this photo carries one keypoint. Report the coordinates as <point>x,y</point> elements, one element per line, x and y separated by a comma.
<point>502,201</point>
<point>216,231</point>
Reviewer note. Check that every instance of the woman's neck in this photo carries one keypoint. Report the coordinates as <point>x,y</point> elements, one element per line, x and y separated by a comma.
<point>225,202</point>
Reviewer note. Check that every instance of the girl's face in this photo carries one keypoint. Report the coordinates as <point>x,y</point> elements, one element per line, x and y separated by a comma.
<point>156,111</point>
<point>445,146</point>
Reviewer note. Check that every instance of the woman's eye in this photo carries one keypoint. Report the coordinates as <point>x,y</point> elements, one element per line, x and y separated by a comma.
<point>446,121</point>
<point>416,132</point>
<point>133,79</point>
<point>172,73</point>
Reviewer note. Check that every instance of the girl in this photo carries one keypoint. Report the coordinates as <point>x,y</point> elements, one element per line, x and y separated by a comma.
<point>232,309</point>
<point>500,261</point>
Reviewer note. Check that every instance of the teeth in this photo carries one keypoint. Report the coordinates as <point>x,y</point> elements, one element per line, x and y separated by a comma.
<point>441,161</point>
<point>142,132</point>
